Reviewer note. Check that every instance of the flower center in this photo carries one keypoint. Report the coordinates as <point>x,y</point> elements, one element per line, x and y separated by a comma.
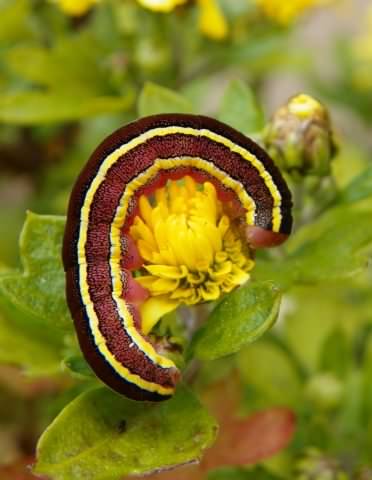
<point>191,249</point>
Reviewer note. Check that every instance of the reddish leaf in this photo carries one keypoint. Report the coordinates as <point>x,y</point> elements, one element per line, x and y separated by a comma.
<point>241,441</point>
<point>15,381</point>
<point>248,441</point>
<point>20,470</point>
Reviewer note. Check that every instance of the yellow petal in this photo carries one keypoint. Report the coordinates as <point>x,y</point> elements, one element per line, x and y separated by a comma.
<point>239,276</point>
<point>191,252</point>
<point>220,270</point>
<point>146,210</point>
<point>145,250</point>
<point>190,185</point>
<point>164,285</point>
<point>210,291</point>
<point>153,309</point>
<point>167,271</point>
<point>182,293</point>
<point>140,230</point>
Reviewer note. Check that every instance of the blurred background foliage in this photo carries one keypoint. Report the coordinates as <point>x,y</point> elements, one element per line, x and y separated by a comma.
<point>73,71</point>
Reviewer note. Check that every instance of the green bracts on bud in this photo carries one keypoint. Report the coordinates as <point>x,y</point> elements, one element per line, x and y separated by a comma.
<point>299,137</point>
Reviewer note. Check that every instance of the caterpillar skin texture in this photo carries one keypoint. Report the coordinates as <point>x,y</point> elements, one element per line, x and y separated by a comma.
<point>97,255</point>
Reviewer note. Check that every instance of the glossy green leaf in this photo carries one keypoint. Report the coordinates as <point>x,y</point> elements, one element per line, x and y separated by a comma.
<point>240,109</point>
<point>105,436</point>
<point>270,373</point>
<point>155,99</point>
<point>39,290</point>
<point>240,318</point>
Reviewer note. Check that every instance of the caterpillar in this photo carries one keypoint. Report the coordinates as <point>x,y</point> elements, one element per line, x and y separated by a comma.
<point>98,253</point>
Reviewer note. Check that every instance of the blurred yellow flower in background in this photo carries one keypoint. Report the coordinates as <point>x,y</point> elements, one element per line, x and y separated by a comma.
<point>361,50</point>
<point>76,8</point>
<point>191,248</point>
<point>285,12</point>
<point>212,21</point>
<point>161,5</point>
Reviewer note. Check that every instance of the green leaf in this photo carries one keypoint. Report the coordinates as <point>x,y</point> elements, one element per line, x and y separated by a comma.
<point>39,290</point>
<point>333,247</point>
<point>28,108</point>
<point>367,393</point>
<point>337,308</point>
<point>257,473</point>
<point>242,317</point>
<point>350,422</point>
<point>336,355</point>
<point>348,164</point>
<point>269,372</point>
<point>77,77</point>
<point>359,188</point>
<point>78,365</point>
<point>15,22</point>
<point>73,62</point>
<point>155,99</point>
<point>27,349</point>
<point>240,109</point>
<point>104,436</point>
<point>201,90</point>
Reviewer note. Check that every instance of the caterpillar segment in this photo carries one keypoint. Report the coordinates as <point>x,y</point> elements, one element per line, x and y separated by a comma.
<point>99,255</point>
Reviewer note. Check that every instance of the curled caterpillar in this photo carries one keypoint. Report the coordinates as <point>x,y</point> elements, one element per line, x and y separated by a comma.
<point>99,255</point>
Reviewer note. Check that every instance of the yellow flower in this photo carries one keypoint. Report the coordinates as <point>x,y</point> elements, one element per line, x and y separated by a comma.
<point>211,19</point>
<point>161,5</point>
<point>285,12</point>
<point>76,8</point>
<point>192,251</point>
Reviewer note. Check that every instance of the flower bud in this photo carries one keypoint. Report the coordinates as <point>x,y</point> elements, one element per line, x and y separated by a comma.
<point>315,465</point>
<point>299,137</point>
